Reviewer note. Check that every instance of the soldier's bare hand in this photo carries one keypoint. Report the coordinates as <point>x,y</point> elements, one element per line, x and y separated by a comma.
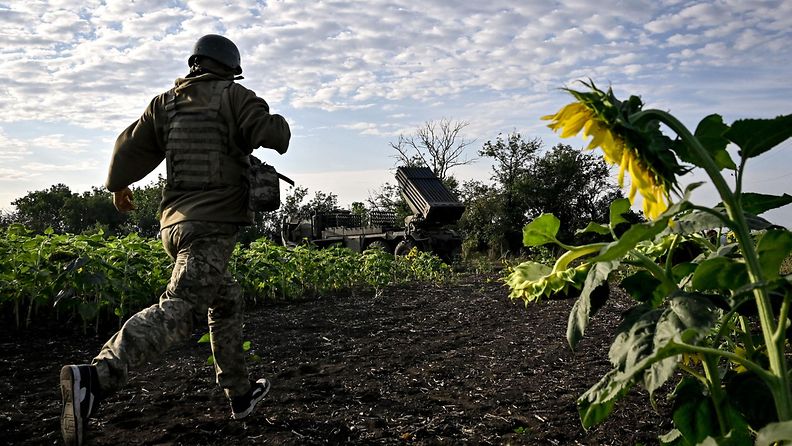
<point>123,200</point>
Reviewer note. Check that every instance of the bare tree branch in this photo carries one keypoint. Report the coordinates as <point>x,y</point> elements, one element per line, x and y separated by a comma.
<point>438,145</point>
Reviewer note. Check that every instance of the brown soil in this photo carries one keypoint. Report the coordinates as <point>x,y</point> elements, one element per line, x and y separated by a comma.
<point>458,364</point>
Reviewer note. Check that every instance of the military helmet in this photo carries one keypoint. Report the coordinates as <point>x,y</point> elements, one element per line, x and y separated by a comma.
<point>218,48</point>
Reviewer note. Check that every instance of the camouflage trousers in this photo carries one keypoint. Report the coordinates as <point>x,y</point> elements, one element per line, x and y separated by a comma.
<point>200,288</point>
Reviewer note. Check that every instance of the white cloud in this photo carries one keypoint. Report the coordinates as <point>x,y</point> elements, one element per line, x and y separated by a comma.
<point>379,67</point>
<point>748,39</point>
<point>683,39</point>
<point>11,151</point>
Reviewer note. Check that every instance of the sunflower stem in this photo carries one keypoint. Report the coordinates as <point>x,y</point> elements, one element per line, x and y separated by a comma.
<point>654,269</point>
<point>775,344</point>
<point>576,252</point>
<point>710,365</point>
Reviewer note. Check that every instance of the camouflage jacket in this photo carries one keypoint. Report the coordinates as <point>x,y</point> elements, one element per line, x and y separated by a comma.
<point>141,148</point>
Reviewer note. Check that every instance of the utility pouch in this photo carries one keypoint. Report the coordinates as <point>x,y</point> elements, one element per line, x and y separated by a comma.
<point>263,186</point>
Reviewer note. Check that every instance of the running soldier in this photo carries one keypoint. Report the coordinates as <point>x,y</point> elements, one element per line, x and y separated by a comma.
<point>204,128</point>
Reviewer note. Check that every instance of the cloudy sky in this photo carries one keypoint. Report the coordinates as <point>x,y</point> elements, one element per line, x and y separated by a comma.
<point>351,76</point>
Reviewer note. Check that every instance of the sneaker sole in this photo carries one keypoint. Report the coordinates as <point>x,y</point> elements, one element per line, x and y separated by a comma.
<point>253,402</point>
<point>71,421</point>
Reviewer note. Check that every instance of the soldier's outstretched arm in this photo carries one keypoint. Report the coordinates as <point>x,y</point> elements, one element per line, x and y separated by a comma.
<point>258,127</point>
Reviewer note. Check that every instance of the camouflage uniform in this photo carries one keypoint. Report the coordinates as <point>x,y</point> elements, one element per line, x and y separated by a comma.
<point>205,117</point>
<point>200,283</point>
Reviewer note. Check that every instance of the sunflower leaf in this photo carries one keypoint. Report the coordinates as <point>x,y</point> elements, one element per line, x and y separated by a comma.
<point>541,231</point>
<point>594,295</point>
<point>594,227</point>
<point>774,246</point>
<point>756,136</point>
<point>618,208</point>
<point>710,134</point>
<point>757,204</point>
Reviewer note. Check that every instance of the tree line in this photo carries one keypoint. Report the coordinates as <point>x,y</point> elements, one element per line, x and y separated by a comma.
<point>525,181</point>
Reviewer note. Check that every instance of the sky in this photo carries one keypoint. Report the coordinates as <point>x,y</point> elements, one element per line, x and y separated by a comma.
<point>351,76</point>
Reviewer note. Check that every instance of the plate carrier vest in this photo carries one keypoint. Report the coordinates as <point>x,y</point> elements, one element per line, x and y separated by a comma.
<point>197,144</point>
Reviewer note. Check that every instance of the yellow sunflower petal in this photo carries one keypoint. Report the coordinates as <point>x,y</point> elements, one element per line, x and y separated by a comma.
<point>611,147</point>
<point>599,134</point>
<point>620,179</point>
<point>573,125</point>
<point>633,190</point>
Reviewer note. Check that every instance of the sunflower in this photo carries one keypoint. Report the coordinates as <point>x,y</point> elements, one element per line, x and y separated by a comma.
<point>641,151</point>
<point>530,281</point>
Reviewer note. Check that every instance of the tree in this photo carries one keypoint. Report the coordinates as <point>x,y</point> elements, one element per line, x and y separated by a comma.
<point>574,186</point>
<point>144,220</point>
<point>482,223</point>
<point>92,211</point>
<point>513,158</point>
<point>359,208</point>
<point>68,212</point>
<point>293,208</point>
<point>39,210</point>
<point>7,218</point>
<point>389,198</point>
<point>438,145</point>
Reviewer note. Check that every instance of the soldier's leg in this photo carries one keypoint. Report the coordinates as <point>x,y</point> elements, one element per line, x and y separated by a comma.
<point>201,256</point>
<point>225,329</point>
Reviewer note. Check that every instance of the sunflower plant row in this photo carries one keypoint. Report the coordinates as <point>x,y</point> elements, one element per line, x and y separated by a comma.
<point>713,324</point>
<point>97,280</point>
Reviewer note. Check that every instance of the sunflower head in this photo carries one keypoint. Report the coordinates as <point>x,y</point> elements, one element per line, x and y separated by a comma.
<point>640,150</point>
<point>531,280</point>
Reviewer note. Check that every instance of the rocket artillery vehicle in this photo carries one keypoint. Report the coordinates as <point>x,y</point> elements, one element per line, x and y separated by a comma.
<point>434,210</point>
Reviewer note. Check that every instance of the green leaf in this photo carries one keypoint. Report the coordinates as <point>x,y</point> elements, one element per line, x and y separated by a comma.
<point>594,227</point>
<point>644,231</point>
<point>756,136</point>
<point>597,403</point>
<point>594,295</point>
<point>205,338</point>
<point>541,230</point>
<point>88,310</point>
<point>756,204</point>
<point>775,432</point>
<point>643,287</point>
<point>672,437</point>
<point>246,346</point>
<point>682,270</point>
<point>636,234</point>
<point>756,223</point>
<point>693,412</point>
<point>720,273</point>
<point>774,246</point>
<point>688,319</point>
<point>618,208</point>
<point>210,360</point>
<point>750,394</point>
<point>710,133</point>
<point>647,347</point>
<point>696,221</point>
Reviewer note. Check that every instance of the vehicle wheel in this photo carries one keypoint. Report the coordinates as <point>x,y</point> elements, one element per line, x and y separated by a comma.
<point>378,244</point>
<point>404,247</point>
